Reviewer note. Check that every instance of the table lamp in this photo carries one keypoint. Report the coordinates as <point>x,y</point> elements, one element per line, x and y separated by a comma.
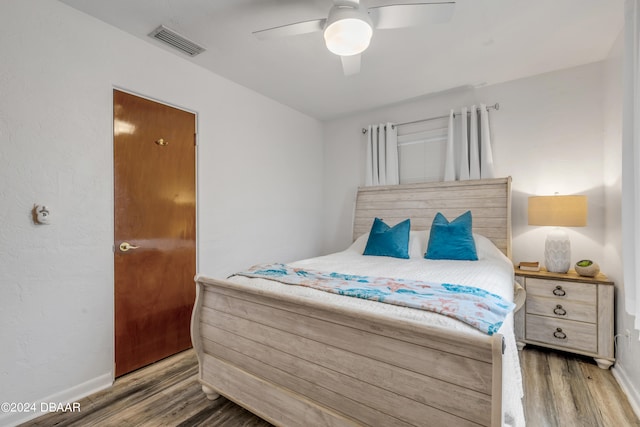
<point>558,211</point>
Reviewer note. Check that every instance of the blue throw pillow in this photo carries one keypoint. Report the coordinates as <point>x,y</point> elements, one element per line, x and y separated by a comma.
<point>452,240</point>
<point>388,241</point>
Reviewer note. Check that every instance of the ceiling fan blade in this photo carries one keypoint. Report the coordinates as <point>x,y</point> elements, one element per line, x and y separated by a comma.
<point>351,3</point>
<point>350,64</point>
<point>409,15</point>
<point>291,29</point>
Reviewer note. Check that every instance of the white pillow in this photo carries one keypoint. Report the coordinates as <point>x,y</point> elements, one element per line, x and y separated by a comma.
<point>359,244</point>
<point>418,243</point>
<point>485,248</point>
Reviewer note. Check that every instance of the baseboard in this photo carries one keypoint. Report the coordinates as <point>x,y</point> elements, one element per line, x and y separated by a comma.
<point>71,395</point>
<point>627,387</point>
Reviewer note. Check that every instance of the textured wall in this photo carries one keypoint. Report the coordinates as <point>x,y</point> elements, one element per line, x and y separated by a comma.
<point>259,187</point>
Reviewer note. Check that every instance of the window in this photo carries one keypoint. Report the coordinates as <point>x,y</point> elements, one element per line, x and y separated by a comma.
<point>421,154</point>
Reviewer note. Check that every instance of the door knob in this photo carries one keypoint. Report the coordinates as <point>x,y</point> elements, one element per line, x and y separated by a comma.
<point>125,246</point>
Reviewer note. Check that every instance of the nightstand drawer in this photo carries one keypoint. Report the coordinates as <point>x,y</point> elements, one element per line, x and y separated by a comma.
<point>560,290</point>
<point>562,333</point>
<point>562,309</point>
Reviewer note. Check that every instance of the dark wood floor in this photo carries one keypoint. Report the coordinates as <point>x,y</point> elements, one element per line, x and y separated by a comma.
<point>560,390</point>
<point>166,393</point>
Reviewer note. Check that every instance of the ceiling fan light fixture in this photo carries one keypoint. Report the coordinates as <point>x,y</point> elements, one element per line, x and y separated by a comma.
<point>347,31</point>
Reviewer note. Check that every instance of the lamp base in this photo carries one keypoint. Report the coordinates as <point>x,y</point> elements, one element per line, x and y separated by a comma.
<point>557,251</point>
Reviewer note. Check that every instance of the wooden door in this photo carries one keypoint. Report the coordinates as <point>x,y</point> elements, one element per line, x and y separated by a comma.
<point>155,229</point>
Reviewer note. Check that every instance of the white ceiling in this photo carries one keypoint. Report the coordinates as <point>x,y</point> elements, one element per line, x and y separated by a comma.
<point>487,41</point>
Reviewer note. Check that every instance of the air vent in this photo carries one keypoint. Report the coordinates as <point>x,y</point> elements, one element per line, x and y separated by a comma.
<point>176,41</point>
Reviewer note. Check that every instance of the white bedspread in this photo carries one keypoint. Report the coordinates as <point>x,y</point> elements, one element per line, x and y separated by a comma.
<point>492,272</point>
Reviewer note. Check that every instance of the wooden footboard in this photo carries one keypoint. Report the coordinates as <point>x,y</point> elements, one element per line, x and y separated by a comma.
<point>297,362</point>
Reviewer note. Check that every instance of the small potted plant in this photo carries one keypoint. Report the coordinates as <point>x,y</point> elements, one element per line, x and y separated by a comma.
<point>587,268</point>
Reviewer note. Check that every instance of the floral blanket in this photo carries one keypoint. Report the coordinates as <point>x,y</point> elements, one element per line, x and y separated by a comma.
<point>481,309</point>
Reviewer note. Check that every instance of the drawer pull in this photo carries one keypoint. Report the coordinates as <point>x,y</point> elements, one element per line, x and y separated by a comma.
<point>559,334</point>
<point>559,310</point>
<point>559,292</point>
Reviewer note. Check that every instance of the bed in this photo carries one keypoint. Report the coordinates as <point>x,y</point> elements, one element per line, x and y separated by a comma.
<point>299,356</point>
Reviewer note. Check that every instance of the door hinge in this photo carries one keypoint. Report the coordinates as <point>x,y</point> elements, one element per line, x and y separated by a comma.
<point>195,139</point>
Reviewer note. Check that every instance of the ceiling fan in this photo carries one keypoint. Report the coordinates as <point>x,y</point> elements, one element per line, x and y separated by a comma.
<point>349,26</point>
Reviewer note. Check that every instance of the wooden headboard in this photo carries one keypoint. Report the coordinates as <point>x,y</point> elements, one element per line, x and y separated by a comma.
<point>489,201</point>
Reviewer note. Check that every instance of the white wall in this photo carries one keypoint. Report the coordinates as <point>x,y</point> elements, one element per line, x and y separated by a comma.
<point>547,135</point>
<point>627,368</point>
<point>259,187</point>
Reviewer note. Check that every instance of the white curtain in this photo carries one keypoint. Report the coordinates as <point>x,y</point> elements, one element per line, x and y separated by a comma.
<point>469,145</point>
<point>449,162</point>
<point>382,155</point>
<point>631,162</point>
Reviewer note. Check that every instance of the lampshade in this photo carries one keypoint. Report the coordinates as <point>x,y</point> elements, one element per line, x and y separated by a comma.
<point>348,31</point>
<point>558,211</point>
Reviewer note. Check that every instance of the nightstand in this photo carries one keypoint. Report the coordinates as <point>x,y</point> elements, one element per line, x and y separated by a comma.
<point>567,312</point>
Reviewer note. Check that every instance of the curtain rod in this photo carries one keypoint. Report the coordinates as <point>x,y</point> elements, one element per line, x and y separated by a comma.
<point>495,106</point>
